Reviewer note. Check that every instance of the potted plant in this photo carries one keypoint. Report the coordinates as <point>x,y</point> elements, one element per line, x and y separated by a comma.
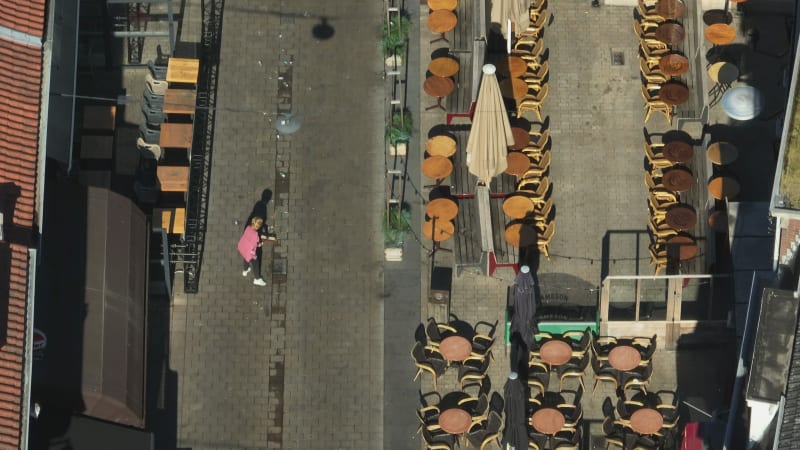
<point>398,132</point>
<point>396,226</point>
<point>394,39</point>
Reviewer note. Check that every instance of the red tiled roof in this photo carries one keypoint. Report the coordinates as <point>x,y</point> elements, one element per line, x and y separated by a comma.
<point>20,98</point>
<point>26,16</point>
<point>788,236</point>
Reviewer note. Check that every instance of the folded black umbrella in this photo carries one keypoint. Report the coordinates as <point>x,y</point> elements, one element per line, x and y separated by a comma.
<point>515,432</point>
<point>524,305</point>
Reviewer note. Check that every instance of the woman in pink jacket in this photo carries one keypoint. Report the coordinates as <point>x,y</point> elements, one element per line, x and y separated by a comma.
<point>248,244</point>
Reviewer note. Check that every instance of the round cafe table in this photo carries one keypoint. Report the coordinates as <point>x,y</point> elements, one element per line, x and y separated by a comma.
<point>722,153</point>
<point>723,187</point>
<point>449,5</point>
<point>670,33</point>
<point>677,179</point>
<point>443,66</point>
<point>555,352</point>
<point>670,9</point>
<point>441,21</point>
<point>624,357</point>
<point>520,234</point>
<point>517,206</point>
<point>718,221</point>
<point>517,163</point>
<point>678,151</point>
<point>515,88</point>
<point>682,245</point>
<point>444,230</point>
<point>441,145</point>
<point>455,348</point>
<point>681,217</point>
<point>455,420</point>
<point>720,34</point>
<point>646,421</point>
<point>673,64</point>
<point>713,16</point>
<point>438,87</point>
<point>442,208</point>
<point>548,421</point>
<point>516,66</point>
<point>673,93</point>
<point>437,167</point>
<point>521,138</point>
<point>723,72</point>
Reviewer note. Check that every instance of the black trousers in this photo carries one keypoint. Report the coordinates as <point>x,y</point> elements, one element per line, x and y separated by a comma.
<point>254,265</point>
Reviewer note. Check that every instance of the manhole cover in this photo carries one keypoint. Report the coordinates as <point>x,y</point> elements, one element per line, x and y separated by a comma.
<point>617,58</point>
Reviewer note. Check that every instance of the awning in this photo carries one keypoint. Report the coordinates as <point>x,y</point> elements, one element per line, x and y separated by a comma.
<point>91,305</point>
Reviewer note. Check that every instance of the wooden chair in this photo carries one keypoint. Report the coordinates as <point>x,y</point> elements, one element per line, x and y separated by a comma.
<point>528,48</point>
<point>577,369</point>
<point>647,15</point>
<point>601,373</point>
<point>473,369</point>
<point>543,241</point>
<point>639,377</point>
<point>536,27</point>
<point>542,210</point>
<point>657,161</point>
<point>538,9</point>
<point>536,189</point>
<point>537,143</point>
<point>538,169</point>
<point>533,103</point>
<point>425,364</point>
<point>536,78</point>
<point>438,442</point>
<point>538,375</point>
<point>654,104</point>
<point>651,55</point>
<point>428,418</point>
<point>651,74</point>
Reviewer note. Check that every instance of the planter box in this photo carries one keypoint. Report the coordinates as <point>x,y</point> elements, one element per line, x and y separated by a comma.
<point>393,254</point>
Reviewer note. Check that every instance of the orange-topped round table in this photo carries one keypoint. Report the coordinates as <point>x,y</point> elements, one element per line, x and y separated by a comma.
<point>443,66</point>
<point>449,5</point>
<point>646,421</point>
<point>516,66</point>
<point>437,167</point>
<point>677,179</point>
<point>723,187</point>
<point>455,420</point>
<point>455,348</point>
<point>517,206</point>
<point>555,352</point>
<point>517,163</point>
<point>548,421</point>
<point>444,230</point>
<point>521,234</point>
<point>442,208</point>
<point>441,145</point>
<point>673,93</point>
<point>673,64</point>
<point>722,153</point>
<point>521,138</point>
<point>670,33</point>
<point>441,21</point>
<point>681,217</point>
<point>438,87</point>
<point>515,88</point>
<point>624,357</point>
<point>682,245</point>
<point>720,34</point>
<point>678,151</point>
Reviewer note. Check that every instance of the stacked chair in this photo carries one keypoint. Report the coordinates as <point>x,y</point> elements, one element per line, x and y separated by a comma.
<point>530,47</point>
<point>650,52</point>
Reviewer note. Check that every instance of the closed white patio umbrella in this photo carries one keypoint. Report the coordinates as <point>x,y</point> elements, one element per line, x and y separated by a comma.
<point>517,11</point>
<point>490,135</point>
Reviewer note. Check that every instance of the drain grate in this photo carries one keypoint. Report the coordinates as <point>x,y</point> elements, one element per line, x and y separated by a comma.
<point>617,58</point>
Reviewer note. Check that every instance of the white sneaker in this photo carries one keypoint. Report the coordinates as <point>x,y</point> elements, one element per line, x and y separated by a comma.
<point>259,282</point>
<point>245,272</point>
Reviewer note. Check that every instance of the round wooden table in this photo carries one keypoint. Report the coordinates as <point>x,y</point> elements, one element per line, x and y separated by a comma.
<point>442,208</point>
<point>678,179</point>
<point>437,167</point>
<point>441,145</point>
<point>678,151</point>
<point>515,88</point>
<point>521,138</point>
<point>670,33</point>
<point>646,421</point>
<point>455,348</point>
<point>682,245</point>
<point>624,357</point>
<point>713,16</point>
<point>681,217</point>
<point>436,5</point>
<point>517,163</point>
<point>443,66</point>
<point>518,206</point>
<point>720,34</point>
<point>723,187</point>
<point>455,420</point>
<point>438,87</point>
<point>516,66</point>
<point>444,230</point>
<point>673,93</point>
<point>722,153</point>
<point>718,221</point>
<point>548,420</point>
<point>441,21</point>
<point>673,64</point>
<point>670,9</point>
<point>520,234</point>
<point>555,352</point>
<point>723,72</point>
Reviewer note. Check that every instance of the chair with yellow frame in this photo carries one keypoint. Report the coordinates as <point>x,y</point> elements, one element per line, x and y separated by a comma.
<point>538,169</point>
<point>535,28</point>
<point>651,75</point>
<point>543,241</point>
<point>537,143</point>
<point>536,78</point>
<point>653,103</point>
<point>537,9</point>
<point>656,160</point>
<point>533,102</point>
<point>651,55</point>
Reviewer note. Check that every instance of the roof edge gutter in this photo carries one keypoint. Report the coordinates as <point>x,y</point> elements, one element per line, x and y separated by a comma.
<point>25,415</point>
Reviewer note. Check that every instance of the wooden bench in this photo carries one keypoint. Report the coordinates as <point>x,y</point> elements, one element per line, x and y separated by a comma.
<point>173,220</point>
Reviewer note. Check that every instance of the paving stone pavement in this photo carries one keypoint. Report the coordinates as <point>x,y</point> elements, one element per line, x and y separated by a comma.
<point>297,364</point>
